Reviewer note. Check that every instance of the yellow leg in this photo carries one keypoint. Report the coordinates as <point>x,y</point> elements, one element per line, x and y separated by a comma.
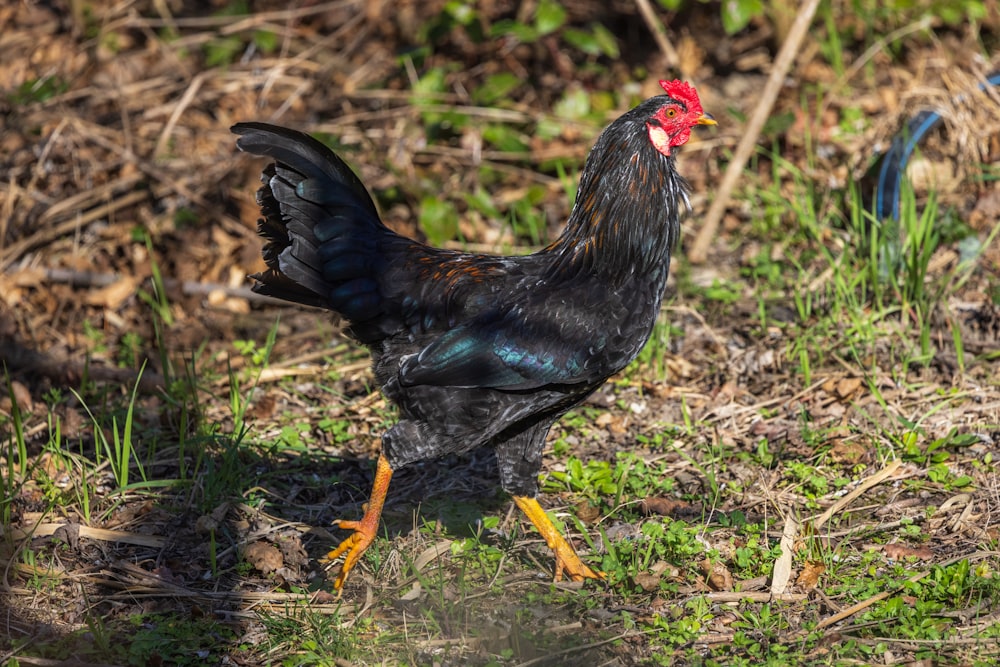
<point>566,559</point>
<point>364,530</point>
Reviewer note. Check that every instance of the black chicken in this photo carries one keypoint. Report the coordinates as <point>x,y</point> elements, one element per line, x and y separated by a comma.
<point>479,349</point>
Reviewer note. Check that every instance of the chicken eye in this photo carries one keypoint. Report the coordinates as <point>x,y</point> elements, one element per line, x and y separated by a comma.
<point>671,112</point>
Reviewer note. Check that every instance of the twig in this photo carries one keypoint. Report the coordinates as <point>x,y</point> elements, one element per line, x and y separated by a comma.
<point>870,52</point>
<point>184,103</point>
<point>577,649</point>
<point>864,604</point>
<point>699,249</point>
<point>725,597</point>
<point>782,571</point>
<point>660,35</point>
<point>188,287</point>
<point>875,479</point>
<point>68,371</point>
<point>48,229</point>
<point>103,534</point>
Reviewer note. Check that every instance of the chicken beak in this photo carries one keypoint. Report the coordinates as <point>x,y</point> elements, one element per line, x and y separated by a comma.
<point>705,119</point>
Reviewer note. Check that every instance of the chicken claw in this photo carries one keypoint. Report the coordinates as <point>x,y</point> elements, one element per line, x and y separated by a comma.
<point>364,530</point>
<point>566,559</point>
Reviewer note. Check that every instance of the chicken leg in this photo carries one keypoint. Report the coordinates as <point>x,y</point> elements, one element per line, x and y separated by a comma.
<point>364,530</point>
<point>566,559</point>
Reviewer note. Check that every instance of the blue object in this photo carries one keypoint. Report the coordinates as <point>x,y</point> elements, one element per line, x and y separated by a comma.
<point>892,165</point>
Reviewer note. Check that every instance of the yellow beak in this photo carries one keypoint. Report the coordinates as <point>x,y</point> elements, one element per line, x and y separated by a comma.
<point>706,119</point>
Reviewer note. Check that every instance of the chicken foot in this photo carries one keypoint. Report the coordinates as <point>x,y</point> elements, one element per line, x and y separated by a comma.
<point>566,559</point>
<point>364,530</point>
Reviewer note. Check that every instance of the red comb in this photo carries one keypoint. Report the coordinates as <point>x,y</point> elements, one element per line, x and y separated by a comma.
<point>682,91</point>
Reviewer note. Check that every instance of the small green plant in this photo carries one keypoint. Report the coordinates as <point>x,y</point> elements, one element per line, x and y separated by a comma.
<point>438,219</point>
<point>119,448</point>
<point>16,455</point>
<point>652,359</point>
<point>130,349</point>
<point>168,639</point>
<point>38,90</point>
<point>592,479</point>
<point>258,358</point>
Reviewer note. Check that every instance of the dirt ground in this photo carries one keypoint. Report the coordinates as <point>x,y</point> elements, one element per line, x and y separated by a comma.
<point>116,163</point>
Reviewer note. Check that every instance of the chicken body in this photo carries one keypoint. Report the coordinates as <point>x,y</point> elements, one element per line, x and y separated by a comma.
<point>482,350</point>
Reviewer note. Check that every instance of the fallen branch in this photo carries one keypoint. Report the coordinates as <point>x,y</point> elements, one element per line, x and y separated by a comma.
<point>660,35</point>
<point>188,287</point>
<point>699,249</point>
<point>65,371</point>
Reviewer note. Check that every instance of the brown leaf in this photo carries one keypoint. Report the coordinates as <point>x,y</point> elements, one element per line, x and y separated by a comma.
<point>323,597</point>
<point>846,387</point>
<point>809,576</point>
<point>68,533</point>
<point>588,513</point>
<point>847,452</point>
<point>21,395</point>
<point>205,524</point>
<point>679,367</point>
<point>898,551</point>
<point>661,506</point>
<point>263,407</point>
<point>648,581</point>
<point>166,574</point>
<point>717,575</point>
<point>614,422</point>
<point>112,296</point>
<point>987,211</point>
<point>263,557</point>
<point>293,551</point>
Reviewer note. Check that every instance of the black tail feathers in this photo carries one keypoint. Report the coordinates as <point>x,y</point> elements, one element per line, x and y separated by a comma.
<point>322,230</point>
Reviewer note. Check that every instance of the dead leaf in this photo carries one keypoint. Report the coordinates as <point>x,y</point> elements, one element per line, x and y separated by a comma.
<point>679,367</point>
<point>662,567</point>
<point>613,421</point>
<point>661,506</point>
<point>897,551</point>
<point>264,557</point>
<point>415,592</point>
<point>205,524</point>
<point>782,571</point>
<point>847,452</point>
<point>847,387</point>
<point>68,533</point>
<point>292,550</point>
<point>809,576</point>
<point>165,573</point>
<point>114,295</point>
<point>588,513</point>
<point>21,395</point>
<point>717,575</point>
<point>986,212</point>
<point>263,407</point>
<point>648,581</point>
<point>324,597</point>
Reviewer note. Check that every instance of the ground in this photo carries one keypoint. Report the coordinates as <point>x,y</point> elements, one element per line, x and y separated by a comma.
<point>799,467</point>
